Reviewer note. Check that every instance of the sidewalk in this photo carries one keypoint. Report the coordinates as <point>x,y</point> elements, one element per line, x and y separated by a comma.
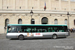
<point>3,36</point>
<point>72,35</point>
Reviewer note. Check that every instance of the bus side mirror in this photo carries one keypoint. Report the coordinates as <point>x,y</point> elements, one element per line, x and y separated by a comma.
<point>5,28</point>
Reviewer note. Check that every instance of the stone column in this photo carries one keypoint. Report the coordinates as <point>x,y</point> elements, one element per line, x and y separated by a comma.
<point>14,4</point>
<point>1,2</point>
<point>59,4</point>
<point>38,4</point>
<point>39,21</point>
<point>8,3</point>
<point>69,5</point>
<point>26,4</point>
<point>50,4</point>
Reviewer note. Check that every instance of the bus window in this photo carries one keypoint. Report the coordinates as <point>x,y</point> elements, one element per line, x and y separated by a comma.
<point>24,30</point>
<point>28,29</point>
<point>18,29</point>
<point>12,29</point>
<point>43,30</point>
<point>52,29</point>
<point>55,29</point>
<point>40,30</point>
<point>9,29</point>
<point>65,29</point>
<point>33,29</point>
<point>49,29</point>
<point>60,29</point>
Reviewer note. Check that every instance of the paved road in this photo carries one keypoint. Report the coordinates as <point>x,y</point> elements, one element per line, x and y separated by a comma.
<point>38,44</point>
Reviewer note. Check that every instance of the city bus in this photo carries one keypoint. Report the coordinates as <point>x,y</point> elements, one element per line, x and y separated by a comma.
<point>22,31</point>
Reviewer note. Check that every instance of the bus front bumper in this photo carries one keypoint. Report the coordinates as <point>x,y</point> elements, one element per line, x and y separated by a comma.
<point>11,37</point>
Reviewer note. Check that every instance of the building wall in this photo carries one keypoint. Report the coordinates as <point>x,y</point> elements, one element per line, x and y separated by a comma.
<point>26,19</point>
<point>22,11</point>
<point>37,5</point>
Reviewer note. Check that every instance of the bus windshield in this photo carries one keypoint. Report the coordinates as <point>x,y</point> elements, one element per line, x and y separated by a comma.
<point>12,29</point>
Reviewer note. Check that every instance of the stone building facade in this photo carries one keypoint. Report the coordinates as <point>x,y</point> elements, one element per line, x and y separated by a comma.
<point>18,12</point>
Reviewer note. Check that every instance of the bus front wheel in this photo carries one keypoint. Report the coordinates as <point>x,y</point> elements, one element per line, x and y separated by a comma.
<point>21,37</point>
<point>54,36</point>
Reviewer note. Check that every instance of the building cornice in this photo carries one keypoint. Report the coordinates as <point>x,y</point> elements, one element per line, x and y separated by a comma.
<point>37,12</point>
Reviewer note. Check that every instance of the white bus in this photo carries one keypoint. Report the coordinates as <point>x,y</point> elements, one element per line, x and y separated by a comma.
<point>22,31</point>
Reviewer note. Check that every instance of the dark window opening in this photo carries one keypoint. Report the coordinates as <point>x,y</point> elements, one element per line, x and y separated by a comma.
<point>74,22</point>
<point>20,21</point>
<point>7,7</point>
<point>44,20</point>
<point>6,22</point>
<point>20,7</point>
<point>32,21</point>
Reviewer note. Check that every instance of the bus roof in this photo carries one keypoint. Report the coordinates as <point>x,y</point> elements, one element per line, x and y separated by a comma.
<point>37,25</point>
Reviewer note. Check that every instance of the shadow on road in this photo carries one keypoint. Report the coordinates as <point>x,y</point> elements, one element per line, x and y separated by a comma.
<point>37,38</point>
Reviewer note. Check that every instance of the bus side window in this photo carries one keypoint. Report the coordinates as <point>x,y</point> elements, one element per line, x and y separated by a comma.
<point>20,30</point>
<point>52,29</point>
<point>61,29</point>
<point>49,29</point>
<point>55,29</point>
<point>38,30</point>
<point>17,29</point>
<point>28,29</point>
<point>33,30</point>
<point>65,29</point>
<point>24,30</point>
<point>43,30</point>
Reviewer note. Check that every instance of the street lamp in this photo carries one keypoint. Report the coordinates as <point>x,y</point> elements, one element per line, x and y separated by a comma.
<point>68,18</point>
<point>31,12</point>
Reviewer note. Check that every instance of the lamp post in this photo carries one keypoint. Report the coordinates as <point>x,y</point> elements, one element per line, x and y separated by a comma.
<point>68,18</point>
<point>31,12</point>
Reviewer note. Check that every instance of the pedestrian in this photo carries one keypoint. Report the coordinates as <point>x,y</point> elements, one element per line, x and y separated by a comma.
<point>71,30</point>
<point>74,30</point>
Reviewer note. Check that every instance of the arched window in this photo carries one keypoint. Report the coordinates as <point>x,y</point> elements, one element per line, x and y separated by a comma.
<point>44,20</point>
<point>74,22</point>
<point>6,22</point>
<point>19,21</point>
<point>55,21</point>
<point>32,21</point>
<point>65,21</point>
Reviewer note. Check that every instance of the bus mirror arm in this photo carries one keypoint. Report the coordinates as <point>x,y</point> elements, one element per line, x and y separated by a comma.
<point>5,28</point>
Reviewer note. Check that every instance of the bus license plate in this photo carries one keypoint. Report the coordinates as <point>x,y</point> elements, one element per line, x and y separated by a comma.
<point>38,34</point>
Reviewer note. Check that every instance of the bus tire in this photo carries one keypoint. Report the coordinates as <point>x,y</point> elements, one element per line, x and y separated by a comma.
<point>21,37</point>
<point>54,36</point>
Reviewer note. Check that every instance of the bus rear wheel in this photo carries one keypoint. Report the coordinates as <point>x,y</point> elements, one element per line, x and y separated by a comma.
<point>21,37</point>
<point>54,36</point>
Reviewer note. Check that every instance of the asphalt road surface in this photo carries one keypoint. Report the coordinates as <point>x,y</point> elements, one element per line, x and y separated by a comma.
<point>38,44</point>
